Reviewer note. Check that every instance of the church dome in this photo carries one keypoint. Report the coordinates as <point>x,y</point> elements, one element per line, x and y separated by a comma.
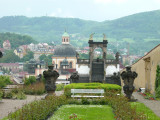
<point>64,50</point>
<point>65,34</point>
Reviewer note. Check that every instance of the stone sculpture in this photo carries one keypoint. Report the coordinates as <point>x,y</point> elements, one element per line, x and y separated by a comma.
<point>104,37</point>
<point>117,56</point>
<point>91,36</point>
<point>1,54</point>
<point>74,77</point>
<point>128,77</point>
<point>50,76</point>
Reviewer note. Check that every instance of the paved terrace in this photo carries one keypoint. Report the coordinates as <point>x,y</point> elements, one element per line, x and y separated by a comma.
<point>9,105</point>
<point>152,104</point>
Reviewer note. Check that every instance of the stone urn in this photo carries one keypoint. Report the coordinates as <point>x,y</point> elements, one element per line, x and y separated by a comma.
<point>50,77</point>
<point>74,77</point>
<point>128,77</point>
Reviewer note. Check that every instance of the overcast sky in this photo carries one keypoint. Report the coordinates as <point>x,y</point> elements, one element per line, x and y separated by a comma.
<point>98,10</point>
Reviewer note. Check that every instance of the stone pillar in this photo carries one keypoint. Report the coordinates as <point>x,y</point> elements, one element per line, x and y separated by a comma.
<point>90,60</point>
<point>104,62</point>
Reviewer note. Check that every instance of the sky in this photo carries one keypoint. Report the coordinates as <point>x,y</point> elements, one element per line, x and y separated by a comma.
<point>97,10</point>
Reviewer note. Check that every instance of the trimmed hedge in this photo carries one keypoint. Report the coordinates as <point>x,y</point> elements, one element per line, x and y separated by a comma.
<point>106,87</point>
<point>38,110</point>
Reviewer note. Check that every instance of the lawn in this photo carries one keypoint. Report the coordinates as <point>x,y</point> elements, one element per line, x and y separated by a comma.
<point>140,107</point>
<point>84,112</point>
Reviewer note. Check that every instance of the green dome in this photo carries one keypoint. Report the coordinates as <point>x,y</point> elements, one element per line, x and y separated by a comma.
<point>65,34</point>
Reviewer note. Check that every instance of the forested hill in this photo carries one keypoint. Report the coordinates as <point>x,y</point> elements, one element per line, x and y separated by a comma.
<point>16,39</point>
<point>139,29</point>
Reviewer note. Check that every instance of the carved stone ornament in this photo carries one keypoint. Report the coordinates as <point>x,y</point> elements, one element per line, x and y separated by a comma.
<point>74,77</point>
<point>128,77</point>
<point>50,76</point>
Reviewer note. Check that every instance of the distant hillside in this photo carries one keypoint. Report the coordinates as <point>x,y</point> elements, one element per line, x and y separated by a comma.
<point>141,30</point>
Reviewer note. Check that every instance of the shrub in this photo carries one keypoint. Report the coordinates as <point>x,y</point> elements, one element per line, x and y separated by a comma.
<point>122,108</point>
<point>158,92</point>
<point>106,87</point>
<point>38,110</point>
<point>9,95</point>
<point>1,94</point>
<point>157,82</point>
<point>20,95</point>
<point>85,101</point>
<point>59,87</point>
<point>34,89</point>
<point>4,80</point>
<point>74,101</point>
<point>30,80</point>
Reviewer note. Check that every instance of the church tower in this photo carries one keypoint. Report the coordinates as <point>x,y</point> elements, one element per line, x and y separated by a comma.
<point>65,38</point>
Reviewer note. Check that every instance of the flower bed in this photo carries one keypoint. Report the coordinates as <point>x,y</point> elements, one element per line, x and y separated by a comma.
<point>34,89</point>
<point>38,110</point>
<point>147,96</point>
<point>42,109</point>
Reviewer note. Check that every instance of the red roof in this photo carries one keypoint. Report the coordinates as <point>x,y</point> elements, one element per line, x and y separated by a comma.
<point>9,64</point>
<point>7,41</point>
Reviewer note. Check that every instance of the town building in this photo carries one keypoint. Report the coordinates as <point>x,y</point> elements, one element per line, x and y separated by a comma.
<point>10,67</point>
<point>146,68</point>
<point>6,45</point>
<point>21,51</point>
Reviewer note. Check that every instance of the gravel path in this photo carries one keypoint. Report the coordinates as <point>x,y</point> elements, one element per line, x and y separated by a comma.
<point>9,105</point>
<point>152,104</point>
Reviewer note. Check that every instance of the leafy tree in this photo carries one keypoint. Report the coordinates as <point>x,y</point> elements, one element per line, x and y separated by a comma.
<point>157,82</point>
<point>46,58</point>
<point>109,56</point>
<point>16,39</point>
<point>9,57</point>
<point>30,80</point>
<point>84,56</point>
<point>4,80</point>
<point>28,56</point>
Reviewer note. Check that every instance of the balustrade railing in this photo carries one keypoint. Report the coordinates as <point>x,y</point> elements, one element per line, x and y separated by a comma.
<point>83,61</point>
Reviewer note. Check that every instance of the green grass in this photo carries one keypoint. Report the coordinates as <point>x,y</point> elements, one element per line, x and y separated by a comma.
<point>84,112</point>
<point>140,107</point>
<point>93,86</point>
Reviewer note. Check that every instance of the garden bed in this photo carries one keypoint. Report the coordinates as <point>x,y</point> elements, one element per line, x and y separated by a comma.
<point>83,112</point>
<point>106,87</point>
<point>140,107</point>
<point>121,108</point>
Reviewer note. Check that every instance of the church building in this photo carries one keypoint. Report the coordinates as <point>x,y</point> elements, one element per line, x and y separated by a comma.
<point>65,55</point>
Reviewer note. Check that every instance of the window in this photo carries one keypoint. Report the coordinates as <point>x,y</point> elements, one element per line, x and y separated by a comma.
<point>70,64</point>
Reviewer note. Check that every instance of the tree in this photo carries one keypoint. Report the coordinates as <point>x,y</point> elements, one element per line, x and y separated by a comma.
<point>4,80</point>
<point>46,58</point>
<point>109,56</point>
<point>84,56</point>
<point>28,56</point>
<point>157,82</point>
<point>30,80</point>
<point>9,57</point>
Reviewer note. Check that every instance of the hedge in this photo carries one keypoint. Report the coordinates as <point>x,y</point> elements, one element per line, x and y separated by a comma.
<point>106,87</point>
